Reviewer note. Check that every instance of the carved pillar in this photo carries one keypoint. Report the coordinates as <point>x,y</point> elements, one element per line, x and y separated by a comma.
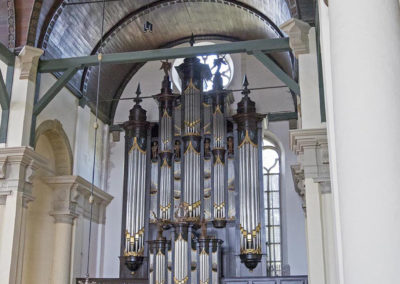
<point>302,40</point>
<point>22,98</point>
<point>18,166</point>
<point>71,199</point>
<point>312,182</point>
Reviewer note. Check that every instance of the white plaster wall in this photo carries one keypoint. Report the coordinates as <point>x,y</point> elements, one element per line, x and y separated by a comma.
<point>2,208</point>
<point>114,210</point>
<point>293,221</point>
<point>64,107</point>
<point>83,153</point>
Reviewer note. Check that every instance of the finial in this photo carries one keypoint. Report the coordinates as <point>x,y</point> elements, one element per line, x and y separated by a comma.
<point>245,91</point>
<point>192,41</point>
<point>137,100</point>
<point>166,66</point>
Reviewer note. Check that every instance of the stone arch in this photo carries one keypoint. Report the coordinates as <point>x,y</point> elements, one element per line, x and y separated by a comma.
<point>53,131</point>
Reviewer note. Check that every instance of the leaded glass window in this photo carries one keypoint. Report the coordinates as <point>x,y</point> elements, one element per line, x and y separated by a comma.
<point>272,210</point>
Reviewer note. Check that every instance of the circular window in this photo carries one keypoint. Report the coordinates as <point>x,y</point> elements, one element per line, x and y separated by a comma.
<point>226,69</point>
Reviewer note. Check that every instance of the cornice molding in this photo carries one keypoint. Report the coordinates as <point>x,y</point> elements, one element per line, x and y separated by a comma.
<point>71,197</point>
<point>298,35</point>
<point>303,138</point>
<point>28,60</point>
<point>311,148</point>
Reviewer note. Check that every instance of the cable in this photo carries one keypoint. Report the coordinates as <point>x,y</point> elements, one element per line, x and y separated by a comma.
<point>229,91</point>
<point>96,126</point>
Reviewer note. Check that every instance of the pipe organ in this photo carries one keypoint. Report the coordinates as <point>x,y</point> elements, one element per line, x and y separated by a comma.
<point>196,167</point>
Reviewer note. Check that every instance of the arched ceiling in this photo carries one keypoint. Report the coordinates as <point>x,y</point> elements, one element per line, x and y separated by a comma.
<point>65,29</point>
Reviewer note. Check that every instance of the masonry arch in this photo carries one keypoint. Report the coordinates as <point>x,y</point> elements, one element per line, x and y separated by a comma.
<point>52,142</point>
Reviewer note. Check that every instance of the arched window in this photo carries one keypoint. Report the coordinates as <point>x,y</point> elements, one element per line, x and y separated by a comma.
<point>272,204</point>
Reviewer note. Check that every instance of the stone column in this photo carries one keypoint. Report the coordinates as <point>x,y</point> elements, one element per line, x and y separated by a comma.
<point>302,41</point>
<point>312,179</point>
<point>365,44</point>
<point>62,248</point>
<point>22,98</point>
<point>70,200</point>
<point>18,166</point>
<point>65,198</point>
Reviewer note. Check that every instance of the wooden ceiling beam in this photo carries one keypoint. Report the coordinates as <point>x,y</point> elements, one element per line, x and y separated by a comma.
<point>263,45</point>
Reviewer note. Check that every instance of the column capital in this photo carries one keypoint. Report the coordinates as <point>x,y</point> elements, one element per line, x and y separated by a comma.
<point>298,35</point>
<point>311,148</point>
<point>299,185</point>
<point>67,218</point>
<point>18,167</point>
<point>28,59</point>
<point>71,197</point>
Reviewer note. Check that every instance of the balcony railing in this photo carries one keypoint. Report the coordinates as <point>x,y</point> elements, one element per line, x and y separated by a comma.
<point>263,280</point>
<point>239,280</point>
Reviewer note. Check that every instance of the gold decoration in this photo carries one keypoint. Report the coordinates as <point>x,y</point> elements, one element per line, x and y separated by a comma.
<point>165,208</point>
<point>183,281</point>
<point>218,161</point>
<point>254,232</point>
<point>190,86</point>
<point>165,114</point>
<point>220,206</point>
<point>165,164</point>
<point>250,251</point>
<point>191,124</point>
<point>247,140</point>
<point>218,110</point>
<point>136,146</point>
<point>191,148</point>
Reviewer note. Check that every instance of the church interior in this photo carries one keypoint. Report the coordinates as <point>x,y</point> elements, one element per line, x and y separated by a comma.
<point>199,142</point>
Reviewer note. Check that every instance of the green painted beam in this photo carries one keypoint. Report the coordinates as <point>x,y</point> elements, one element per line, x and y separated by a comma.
<point>53,91</point>
<point>4,97</point>
<point>320,70</point>
<point>275,69</point>
<point>279,116</point>
<point>6,55</point>
<point>263,45</point>
<point>5,112</point>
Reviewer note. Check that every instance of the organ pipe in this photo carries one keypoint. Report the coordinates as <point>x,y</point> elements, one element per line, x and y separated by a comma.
<point>166,137</point>
<point>192,74</point>
<point>137,160</point>
<point>219,144</point>
<point>247,158</point>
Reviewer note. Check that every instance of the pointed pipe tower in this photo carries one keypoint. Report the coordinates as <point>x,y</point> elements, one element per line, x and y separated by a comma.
<point>247,158</point>
<point>136,157</point>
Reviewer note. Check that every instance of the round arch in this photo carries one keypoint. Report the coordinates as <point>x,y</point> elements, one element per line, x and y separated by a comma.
<point>53,131</point>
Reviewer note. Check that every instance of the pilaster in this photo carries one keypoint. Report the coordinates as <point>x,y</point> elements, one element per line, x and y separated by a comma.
<point>302,40</point>
<point>22,98</point>
<point>71,204</point>
<point>71,197</point>
<point>19,166</point>
<point>297,30</point>
<point>312,182</point>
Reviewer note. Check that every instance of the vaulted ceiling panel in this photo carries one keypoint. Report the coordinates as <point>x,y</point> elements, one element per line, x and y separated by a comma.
<point>75,30</point>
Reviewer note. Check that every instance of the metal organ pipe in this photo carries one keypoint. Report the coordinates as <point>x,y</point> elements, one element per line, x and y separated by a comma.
<point>249,180</point>
<point>135,186</point>
<point>166,133</point>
